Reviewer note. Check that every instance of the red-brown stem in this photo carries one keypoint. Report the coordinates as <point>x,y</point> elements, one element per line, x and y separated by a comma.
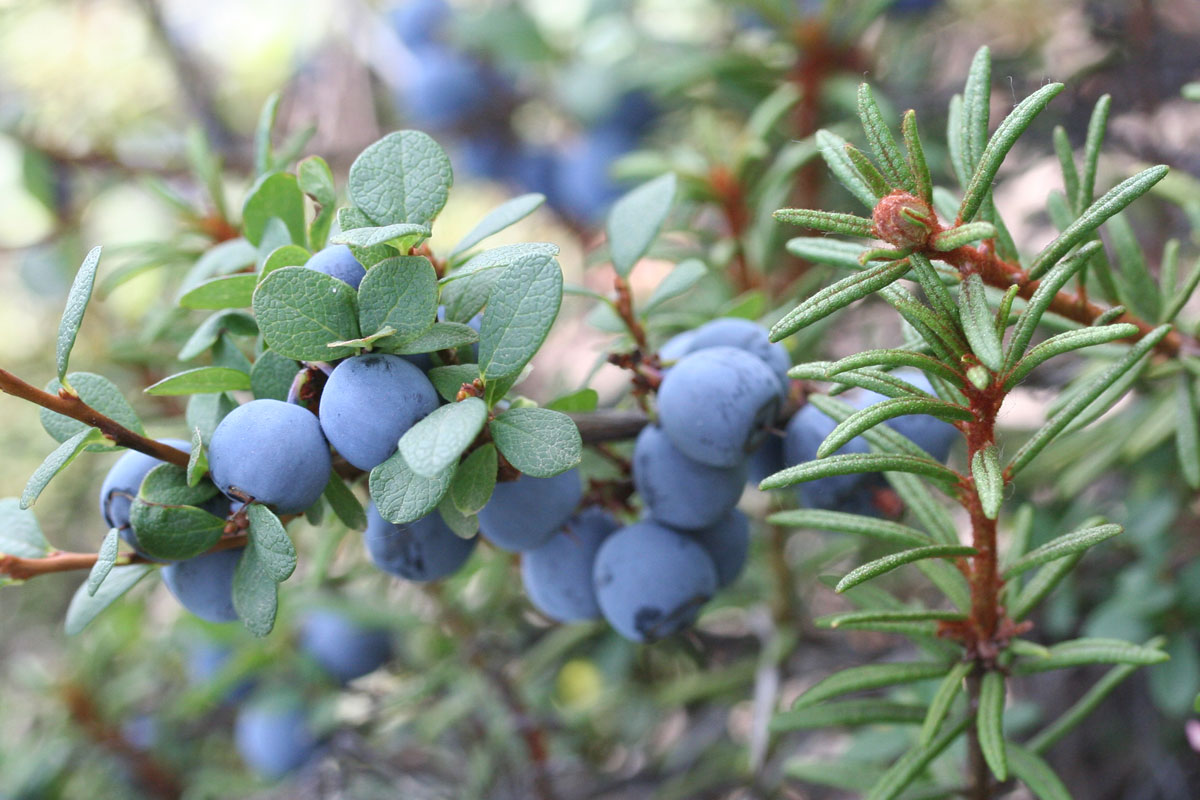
<point>983,575</point>
<point>72,406</point>
<point>732,200</point>
<point>22,569</point>
<point>979,776</point>
<point>624,303</point>
<point>1001,274</point>
<point>153,776</point>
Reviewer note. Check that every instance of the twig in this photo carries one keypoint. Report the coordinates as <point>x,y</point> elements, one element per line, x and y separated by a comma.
<point>72,406</point>
<point>22,569</point>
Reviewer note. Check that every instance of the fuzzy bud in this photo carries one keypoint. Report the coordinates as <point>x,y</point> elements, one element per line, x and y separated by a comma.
<point>903,220</point>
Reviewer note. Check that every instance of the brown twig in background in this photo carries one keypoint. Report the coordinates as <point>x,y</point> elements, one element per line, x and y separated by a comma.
<point>22,569</point>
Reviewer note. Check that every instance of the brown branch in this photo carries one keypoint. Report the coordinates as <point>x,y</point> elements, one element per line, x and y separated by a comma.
<point>70,405</point>
<point>979,776</point>
<point>22,569</point>
<point>1001,274</point>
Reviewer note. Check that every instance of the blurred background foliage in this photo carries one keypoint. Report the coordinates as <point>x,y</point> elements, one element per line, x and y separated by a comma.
<point>109,109</point>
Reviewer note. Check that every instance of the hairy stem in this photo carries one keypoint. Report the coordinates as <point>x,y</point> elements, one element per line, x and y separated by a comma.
<point>22,569</point>
<point>72,406</point>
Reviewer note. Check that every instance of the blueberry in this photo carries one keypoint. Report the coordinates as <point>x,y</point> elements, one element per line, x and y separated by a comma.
<point>633,112</point>
<point>558,575</point>
<point>678,491</point>
<point>206,660</point>
<point>583,184</point>
<point>912,6</point>
<point>425,550</point>
<point>651,581</point>
<point>272,451</point>
<point>805,432</point>
<point>485,156</point>
<point>767,459</point>
<point>417,22</point>
<point>525,513</point>
<point>369,402</point>
<point>344,647</point>
<point>727,541</point>
<point>338,261</point>
<point>715,404</point>
<point>744,335</point>
<point>534,168</point>
<point>204,584</point>
<point>677,346</point>
<point>274,737</point>
<point>444,87</point>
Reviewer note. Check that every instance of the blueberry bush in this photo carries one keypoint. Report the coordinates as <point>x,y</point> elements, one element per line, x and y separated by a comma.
<point>853,452</point>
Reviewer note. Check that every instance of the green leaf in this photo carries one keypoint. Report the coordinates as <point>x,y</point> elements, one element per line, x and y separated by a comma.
<point>277,195</point>
<point>977,95</point>
<point>255,593</point>
<point>833,150</point>
<point>436,442</point>
<point>1173,306</point>
<point>523,304</point>
<point>842,522</point>
<point>287,255</point>
<point>684,276</point>
<point>1082,228</point>
<point>870,676</point>
<point>1066,160</point>
<point>200,380</point>
<point>105,560</point>
<point>893,165</point>
<point>848,713</point>
<point>1035,773</point>
<point>370,237</point>
<point>57,461</point>
<point>1042,583</point>
<point>998,146</point>
<point>440,336</point>
<point>823,250</point>
<point>913,763</point>
<point>20,534</point>
<point>579,401</point>
<point>893,358</point>
<point>502,216</point>
<point>344,503</point>
<point>403,177</point>
<point>450,379</point>
<point>173,530</point>
<point>197,461</point>
<point>1091,151</point>
<point>635,220</point>
<point>829,221</point>
<point>1042,297</point>
<point>855,463</point>
<point>1078,404</point>
<point>86,607</point>
<point>275,551</point>
<point>464,526</point>
<point>1065,545</point>
<point>859,619</point>
<point>1065,343</point>
<point>916,156</point>
<point>957,145</point>
<point>400,293</point>
<point>263,161</point>
<point>230,291</point>
<point>300,310</point>
<point>874,178</point>
<point>989,480</point>
<point>475,479</point>
<point>98,392</point>
<point>205,412</point>
<point>989,723</point>
<point>853,776</point>
<point>1085,705</point>
<point>316,181</point>
<point>401,495</point>
<point>72,318</point>
<point>939,706</point>
<point>880,412</point>
<point>1187,430</point>
<point>272,375</point>
<point>537,441</point>
<point>839,295</point>
<point>953,238</point>
<point>205,336</point>
<point>1090,651</point>
<point>880,566</point>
